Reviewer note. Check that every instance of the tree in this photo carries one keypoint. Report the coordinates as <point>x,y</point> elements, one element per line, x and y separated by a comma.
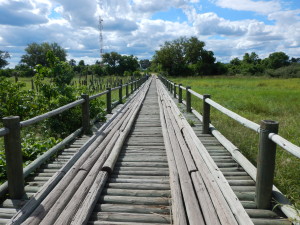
<point>185,57</point>
<point>277,60</point>
<point>251,58</point>
<point>72,62</point>
<point>127,63</point>
<point>145,63</point>
<point>36,53</point>
<point>3,56</point>
<point>117,64</point>
<point>59,71</point>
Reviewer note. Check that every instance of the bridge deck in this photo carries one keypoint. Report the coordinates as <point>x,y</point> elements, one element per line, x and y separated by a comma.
<point>138,191</point>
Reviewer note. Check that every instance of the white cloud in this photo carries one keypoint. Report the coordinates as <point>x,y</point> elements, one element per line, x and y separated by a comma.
<point>129,29</point>
<point>211,24</point>
<point>263,7</point>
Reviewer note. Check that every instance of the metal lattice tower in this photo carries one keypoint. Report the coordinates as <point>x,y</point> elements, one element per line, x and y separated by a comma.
<point>100,26</point>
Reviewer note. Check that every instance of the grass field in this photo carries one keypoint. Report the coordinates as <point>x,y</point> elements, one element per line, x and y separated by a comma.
<point>256,99</point>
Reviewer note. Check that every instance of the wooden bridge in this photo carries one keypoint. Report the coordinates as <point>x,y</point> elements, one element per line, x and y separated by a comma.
<point>146,165</point>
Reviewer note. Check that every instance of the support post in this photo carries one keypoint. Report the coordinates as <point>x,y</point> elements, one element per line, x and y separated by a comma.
<point>179,93</point>
<point>86,114</point>
<point>188,100</point>
<point>127,90</point>
<point>121,93</point>
<point>108,101</point>
<point>131,87</point>
<point>174,90</point>
<point>14,161</point>
<point>206,115</point>
<point>265,164</point>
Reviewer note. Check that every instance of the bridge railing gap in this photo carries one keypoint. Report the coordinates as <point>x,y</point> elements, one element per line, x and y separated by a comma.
<point>268,141</point>
<point>12,136</point>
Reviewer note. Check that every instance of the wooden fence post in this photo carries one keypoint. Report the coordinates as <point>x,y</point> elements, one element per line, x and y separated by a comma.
<point>188,100</point>
<point>265,164</point>
<point>179,93</point>
<point>108,101</point>
<point>86,114</point>
<point>206,115</point>
<point>13,152</point>
<point>121,93</point>
<point>127,90</point>
<point>174,90</point>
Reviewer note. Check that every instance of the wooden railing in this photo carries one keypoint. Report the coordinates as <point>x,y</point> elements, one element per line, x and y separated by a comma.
<point>268,138</point>
<point>12,136</point>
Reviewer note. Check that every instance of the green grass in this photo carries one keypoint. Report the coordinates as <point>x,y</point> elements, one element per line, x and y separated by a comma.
<point>256,99</point>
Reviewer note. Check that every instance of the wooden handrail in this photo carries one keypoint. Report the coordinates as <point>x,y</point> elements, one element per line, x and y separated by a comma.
<point>282,142</point>
<point>3,131</point>
<point>17,190</point>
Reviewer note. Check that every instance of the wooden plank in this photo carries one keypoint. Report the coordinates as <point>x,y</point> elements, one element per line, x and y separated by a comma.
<point>110,199</point>
<point>209,212</point>
<point>132,217</point>
<point>132,208</point>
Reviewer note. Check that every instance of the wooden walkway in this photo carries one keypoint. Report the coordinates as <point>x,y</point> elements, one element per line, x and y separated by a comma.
<point>138,189</point>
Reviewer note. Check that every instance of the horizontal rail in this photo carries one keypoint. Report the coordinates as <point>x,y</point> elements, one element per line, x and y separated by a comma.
<point>183,88</point>
<point>196,94</point>
<point>3,131</point>
<point>282,142</point>
<point>115,88</point>
<point>285,144</point>
<point>98,95</point>
<point>51,113</point>
<point>245,122</point>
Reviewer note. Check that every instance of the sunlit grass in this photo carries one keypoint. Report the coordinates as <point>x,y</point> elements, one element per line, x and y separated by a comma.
<point>256,99</point>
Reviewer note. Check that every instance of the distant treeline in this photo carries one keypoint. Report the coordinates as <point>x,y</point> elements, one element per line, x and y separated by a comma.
<point>187,57</point>
<point>112,63</point>
<point>180,57</point>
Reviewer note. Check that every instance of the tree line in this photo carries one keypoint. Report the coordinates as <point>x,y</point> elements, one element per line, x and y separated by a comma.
<point>188,57</point>
<point>180,57</point>
<point>112,63</point>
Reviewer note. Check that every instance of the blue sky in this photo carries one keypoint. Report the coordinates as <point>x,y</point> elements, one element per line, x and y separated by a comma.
<point>230,28</point>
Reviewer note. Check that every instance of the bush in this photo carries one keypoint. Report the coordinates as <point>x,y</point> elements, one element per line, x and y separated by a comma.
<point>291,71</point>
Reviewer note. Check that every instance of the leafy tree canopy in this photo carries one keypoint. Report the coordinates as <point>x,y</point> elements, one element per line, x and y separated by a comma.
<point>117,64</point>
<point>36,53</point>
<point>186,56</point>
<point>3,56</point>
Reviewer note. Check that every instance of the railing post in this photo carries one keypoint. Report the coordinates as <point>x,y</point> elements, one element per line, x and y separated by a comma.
<point>265,164</point>
<point>206,115</point>
<point>86,114</point>
<point>121,93</point>
<point>131,87</point>
<point>13,153</point>
<point>174,90</point>
<point>135,85</point>
<point>108,101</point>
<point>179,93</point>
<point>169,85</point>
<point>188,100</point>
<point>127,90</point>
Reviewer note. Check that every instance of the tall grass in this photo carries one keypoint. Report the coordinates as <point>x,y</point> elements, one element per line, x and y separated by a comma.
<point>257,99</point>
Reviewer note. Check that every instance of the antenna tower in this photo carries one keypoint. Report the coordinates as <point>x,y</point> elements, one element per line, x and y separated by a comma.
<point>100,26</point>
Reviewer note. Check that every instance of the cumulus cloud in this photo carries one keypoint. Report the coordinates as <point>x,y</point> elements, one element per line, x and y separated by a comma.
<point>263,7</point>
<point>23,13</point>
<point>211,24</point>
<point>130,29</point>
